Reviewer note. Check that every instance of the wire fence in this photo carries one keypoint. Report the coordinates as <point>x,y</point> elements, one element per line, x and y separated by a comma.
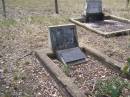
<point>23,8</point>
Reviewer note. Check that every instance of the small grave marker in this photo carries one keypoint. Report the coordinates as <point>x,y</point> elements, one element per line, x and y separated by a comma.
<point>93,10</point>
<point>63,42</point>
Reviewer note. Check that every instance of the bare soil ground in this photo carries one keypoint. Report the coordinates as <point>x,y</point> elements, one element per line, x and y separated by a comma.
<point>26,30</point>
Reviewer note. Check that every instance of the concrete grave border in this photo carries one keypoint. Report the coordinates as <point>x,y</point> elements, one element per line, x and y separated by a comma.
<point>65,84</point>
<point>106,34</point>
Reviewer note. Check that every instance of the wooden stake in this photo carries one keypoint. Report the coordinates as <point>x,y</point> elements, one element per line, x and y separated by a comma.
<point>56,7</point>
<point>4,10</point>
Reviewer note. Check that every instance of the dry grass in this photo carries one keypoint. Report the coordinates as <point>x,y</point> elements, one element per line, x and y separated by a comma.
<point>26,30</point>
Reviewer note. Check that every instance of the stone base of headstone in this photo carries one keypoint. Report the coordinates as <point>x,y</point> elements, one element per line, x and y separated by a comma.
<point>92,17</point>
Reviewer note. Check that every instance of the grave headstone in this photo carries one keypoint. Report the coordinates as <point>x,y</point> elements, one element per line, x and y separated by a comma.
<point>93,9</point>
<point>62,37</point>
<point>64,43</point>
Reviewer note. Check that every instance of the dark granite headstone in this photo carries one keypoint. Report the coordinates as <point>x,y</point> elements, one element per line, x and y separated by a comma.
<point>63,37</point>
<point>63,42</point>
<point>93,10</point>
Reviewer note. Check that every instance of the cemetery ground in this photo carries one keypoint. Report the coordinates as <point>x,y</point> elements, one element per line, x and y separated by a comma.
<point>21,75</point>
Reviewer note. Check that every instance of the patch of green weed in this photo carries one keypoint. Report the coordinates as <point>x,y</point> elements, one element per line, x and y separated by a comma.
<point>66,69</point>
<point>111,87</point>
<point>7,23</point>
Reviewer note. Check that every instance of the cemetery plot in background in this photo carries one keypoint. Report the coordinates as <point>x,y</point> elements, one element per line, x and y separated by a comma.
<point>95,20</point>
<point>110,26</point>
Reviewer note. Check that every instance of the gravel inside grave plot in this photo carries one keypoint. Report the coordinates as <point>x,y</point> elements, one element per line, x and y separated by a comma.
<point>117,47</point>
<point>109,25</point>
<point>87,74</point>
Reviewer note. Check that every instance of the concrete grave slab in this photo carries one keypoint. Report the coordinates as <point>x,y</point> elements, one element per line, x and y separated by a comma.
<point>71,56</point>
<point>64,43</point>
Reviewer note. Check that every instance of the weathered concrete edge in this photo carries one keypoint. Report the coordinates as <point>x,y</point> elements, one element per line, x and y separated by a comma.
<point>68,88</point>
<point>106,34</point>
<point>73,20</point>
<point>103,58</point>
<point>118,18</point>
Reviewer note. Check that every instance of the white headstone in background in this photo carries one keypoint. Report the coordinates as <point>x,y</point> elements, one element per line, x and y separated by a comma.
<point>93,11</point>
<point>93,6</point>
